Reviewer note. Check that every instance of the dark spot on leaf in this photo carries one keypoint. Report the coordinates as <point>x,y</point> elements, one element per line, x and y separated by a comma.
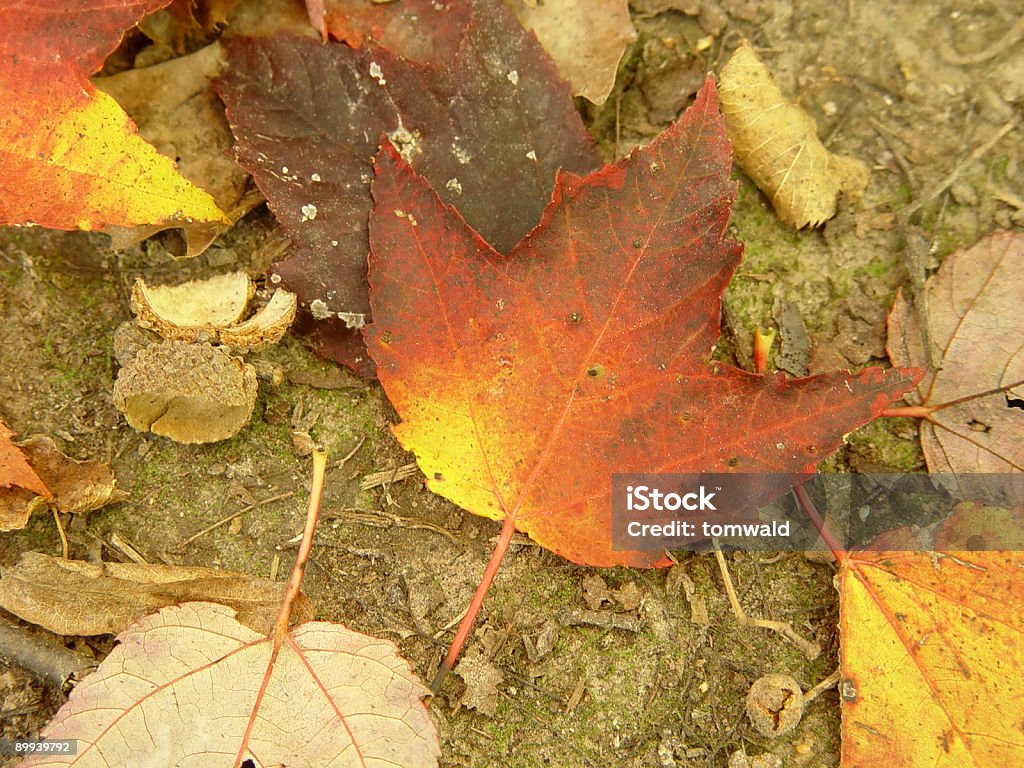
<point>655,167</point>
<point>1015,402</point>
<point>637,243</point>
<point>733,461</point>
<point>978,426</point>
<point>438,476</point>
<point>812,449</point>
<point>685,417</point>
<point>595,371</point>
<point>248,763</point>
<point>576,317</point>
<point>385,338</point>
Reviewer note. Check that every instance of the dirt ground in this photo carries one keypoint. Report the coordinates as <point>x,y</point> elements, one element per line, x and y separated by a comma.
<point>653,671</point>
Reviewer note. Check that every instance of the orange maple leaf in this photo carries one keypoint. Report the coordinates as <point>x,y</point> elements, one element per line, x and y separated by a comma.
<point>69,155</point>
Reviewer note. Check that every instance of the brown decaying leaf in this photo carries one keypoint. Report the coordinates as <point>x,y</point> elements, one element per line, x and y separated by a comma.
<point>78,486</point>
<point>19,484</point>
<point>586,39</point>
<point>971,313</point>
<point>175,109</point>
<point>192,686</point>
<point>776,144</point>
<point>72,597</point>
<point>186,21</point>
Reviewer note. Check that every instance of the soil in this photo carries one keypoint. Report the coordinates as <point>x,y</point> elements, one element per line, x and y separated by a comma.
<point>654,671</point>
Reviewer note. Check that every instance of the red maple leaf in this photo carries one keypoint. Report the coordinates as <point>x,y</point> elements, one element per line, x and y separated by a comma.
<point>524,381</point>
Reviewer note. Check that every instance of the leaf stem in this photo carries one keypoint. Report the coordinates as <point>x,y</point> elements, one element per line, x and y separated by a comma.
<point>508,528</point>
<point>838,550</point>
<point>924,411</point>
<point>305,547</point>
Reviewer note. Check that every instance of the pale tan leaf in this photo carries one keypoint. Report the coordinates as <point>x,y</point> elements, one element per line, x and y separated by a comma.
<point>973,318</point>
<point>72,597</point>
<point>776,144</point>
<point>176,110</point>
<point>190,686</point>
<point>77,486</point>
<point>586,39</point>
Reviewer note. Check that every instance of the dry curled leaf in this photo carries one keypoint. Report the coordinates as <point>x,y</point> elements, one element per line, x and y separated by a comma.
<point>970,312</point>
<point>585,38</point>
<point>72,597</point>
<point>191,393</point>
<point>191,686</point>
<point>77,486</point>
<point>19,484</point>
<point>776,144</point>
<point>176,110</point>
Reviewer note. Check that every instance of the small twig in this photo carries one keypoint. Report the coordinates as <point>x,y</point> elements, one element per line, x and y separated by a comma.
<point>1015,33</point>
<point>60,530</point>
<point>231,517</point>
<point>943,185</point>
<point>46,659</point>
<point>343,461</point>
<point>388,476</point>
<point>829,682</point>
<point>384,519</point>
<point>810,649</point>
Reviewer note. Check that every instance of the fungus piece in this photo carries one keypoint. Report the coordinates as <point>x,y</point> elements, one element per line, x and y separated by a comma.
<point>188,311</point>
<point>266,326</point>
<point>775,705</point>
<point>191,393</point>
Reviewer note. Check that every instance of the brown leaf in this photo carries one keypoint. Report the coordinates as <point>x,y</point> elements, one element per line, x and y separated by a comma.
<point>19,484</point>
<point>777,144</point>
<point>971,314</point>
<point>72,597</point>
<point>192,686</point>
<point>481,678</point>
<point>586,39</point>
<point>176,110</point>
<point>78,486</point>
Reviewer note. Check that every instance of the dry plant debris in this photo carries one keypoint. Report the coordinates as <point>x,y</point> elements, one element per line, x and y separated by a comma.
<point>191,393</point>
<point>19,484</point>
<point>211,310</point>
<point>185,388</point>
<point>77,486</point>
<point>72,597</point>
<point>776,143</point>
<point>585,38</point>
<point>968,327</point>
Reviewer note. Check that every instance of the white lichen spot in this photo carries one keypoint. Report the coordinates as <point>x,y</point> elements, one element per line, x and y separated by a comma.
<point>314,177</point>
<point>275,278</point>
<point>406,142</point>
<point>352,319</point>
<point>377,73</point>
<point>532,155</point>
<point>284,169</point>
<point>308,212</point>
<point>500,304</point>
<point>364,177</point>
<point>334,243</point>
<point>780,446</point>
<point>513,77</point>
<point>461,153</point>
<point>318,308</point>
<point>453,186</point>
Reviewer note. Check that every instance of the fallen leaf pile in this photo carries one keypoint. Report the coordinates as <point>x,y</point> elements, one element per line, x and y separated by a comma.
<point>184,387</point>
<point>524,381</point>
<point>307,118</point>
<point>975,347</point>
<point>35,473</point>
<point>777,144</point>
<point>88,169</point>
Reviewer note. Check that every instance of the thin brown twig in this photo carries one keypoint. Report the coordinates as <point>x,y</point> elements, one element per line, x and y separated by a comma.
<point>231,517</point>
